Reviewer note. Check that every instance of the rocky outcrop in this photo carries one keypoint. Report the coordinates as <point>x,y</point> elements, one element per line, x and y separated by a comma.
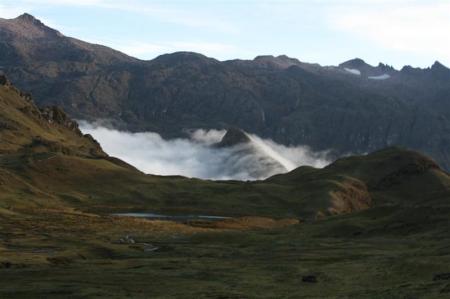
<point>232,137</point>
<point>4,80</point>
<point>55,114</point>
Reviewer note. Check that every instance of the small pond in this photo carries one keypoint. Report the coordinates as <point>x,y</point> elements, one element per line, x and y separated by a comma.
<point>180,218</point>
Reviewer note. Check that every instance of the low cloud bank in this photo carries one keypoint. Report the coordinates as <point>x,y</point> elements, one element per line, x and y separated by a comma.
<point>198,157</point>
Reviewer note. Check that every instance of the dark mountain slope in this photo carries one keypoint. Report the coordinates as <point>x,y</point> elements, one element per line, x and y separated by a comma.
<point>62,69</point>
<point>277,97</point>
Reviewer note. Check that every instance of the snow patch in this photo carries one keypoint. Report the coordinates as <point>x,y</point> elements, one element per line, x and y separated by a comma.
<point>353,71</point>
<point>381,77</point>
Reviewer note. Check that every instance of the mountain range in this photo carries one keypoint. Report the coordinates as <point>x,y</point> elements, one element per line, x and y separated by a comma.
<point>350,108</point>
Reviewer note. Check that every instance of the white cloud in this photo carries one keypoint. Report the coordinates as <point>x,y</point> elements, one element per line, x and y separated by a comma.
<point>164,13</point>
<point>421,28</point>
<point>70,2</point>
<point>196,157</point>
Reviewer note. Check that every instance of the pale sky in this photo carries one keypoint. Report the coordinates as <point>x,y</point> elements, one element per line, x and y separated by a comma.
<point>395,32</point>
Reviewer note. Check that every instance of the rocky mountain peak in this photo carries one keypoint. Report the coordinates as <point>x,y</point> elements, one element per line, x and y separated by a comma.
<point>29,20</point>
<point>26,17</point>
<point>354,63</point>
<point>281,61</point>
<point>183,57</point>
<point>26,26</point>
<point>407,69</point>
<point>440,71</point>
<point>438,65</point>
<point>380,72</point>
<point>233,137</point>
<point>385,67</point>
<point>55,114</point>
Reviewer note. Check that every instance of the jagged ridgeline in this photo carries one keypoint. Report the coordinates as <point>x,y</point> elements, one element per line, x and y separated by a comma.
<point>350,108</point>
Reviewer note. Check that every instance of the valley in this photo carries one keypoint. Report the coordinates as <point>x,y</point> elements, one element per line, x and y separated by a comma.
<point>185,176</point>
<point>373,225</point>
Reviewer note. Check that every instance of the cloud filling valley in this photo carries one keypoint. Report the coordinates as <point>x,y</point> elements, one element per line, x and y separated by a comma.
<point>198,156</point>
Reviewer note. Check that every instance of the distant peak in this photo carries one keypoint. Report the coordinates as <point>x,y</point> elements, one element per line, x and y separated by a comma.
<point>385,66</point>
<point>233,137</point>
<point>264,57</point>
<point>183,57</point>
<point>31,27</point>
<point>357,60</point>
<point>26,17</point>
<point>271,57</point>
<point>354,63</point>
<point>440,71</point>
<point>438,65</point>
<point>288,59</point>
<point>281,61</point>
<point>407,69</point>
<point>188,54</point>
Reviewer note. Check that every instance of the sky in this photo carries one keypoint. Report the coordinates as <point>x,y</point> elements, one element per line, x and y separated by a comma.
<point>395,32</point>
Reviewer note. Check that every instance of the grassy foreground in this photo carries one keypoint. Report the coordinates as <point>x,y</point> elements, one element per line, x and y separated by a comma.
<point>372,254</point>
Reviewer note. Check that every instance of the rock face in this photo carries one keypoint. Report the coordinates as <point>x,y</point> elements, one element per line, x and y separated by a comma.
<point>281,98</point>
<point>57,115</point>
<point>4,80</point>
